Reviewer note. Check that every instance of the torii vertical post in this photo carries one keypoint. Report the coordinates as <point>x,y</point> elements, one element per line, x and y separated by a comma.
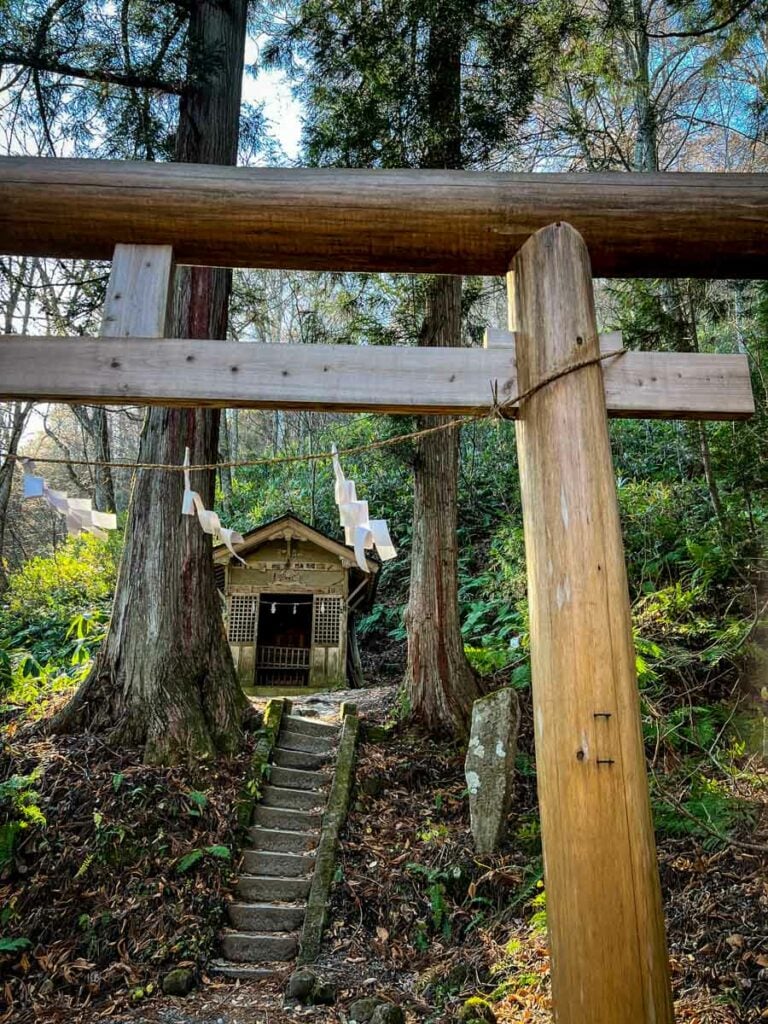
<point>606,926</point>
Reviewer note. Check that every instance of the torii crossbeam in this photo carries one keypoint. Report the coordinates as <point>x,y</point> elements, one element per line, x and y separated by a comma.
<point>609,961</point>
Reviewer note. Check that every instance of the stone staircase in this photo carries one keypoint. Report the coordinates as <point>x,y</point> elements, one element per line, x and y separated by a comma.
<point>271,897</point>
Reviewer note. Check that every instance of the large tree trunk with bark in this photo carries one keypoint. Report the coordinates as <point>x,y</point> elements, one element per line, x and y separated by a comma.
<point>442,685</point>
<point>164,679</point>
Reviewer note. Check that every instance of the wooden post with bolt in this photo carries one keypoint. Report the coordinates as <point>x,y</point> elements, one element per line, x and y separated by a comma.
<point>609,960</point>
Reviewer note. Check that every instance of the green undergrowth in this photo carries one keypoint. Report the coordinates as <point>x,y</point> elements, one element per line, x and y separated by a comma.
<point>53,617</point>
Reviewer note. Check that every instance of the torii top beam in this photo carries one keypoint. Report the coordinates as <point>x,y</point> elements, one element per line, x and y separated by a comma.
<point>635,225</point>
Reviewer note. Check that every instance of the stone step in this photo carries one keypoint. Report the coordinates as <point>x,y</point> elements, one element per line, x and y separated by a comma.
<point>257,889</point>
<point>244,972</point>
<point>295,778</point>
<point>265,917</point>
<point>292,739</point>
<point>303,759</point>
<point>278,865</point>
<point>281,840</point>
<point>258,947</point>
<point>297,723</point>
<point>286,818</point>
<point>293,799</point>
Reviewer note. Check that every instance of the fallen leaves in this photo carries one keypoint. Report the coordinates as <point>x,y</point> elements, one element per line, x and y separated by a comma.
<point>97,891</point>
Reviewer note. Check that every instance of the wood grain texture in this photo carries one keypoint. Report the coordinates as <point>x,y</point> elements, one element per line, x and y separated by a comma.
<point>460,222</point>
<point>501,337</point>
<point>348,378</point>
<point>138,292</point>
<point>609,961</point>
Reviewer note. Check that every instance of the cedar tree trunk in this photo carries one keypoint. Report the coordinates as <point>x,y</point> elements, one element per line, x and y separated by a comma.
<point>442,685</point>
<point>164,678</point>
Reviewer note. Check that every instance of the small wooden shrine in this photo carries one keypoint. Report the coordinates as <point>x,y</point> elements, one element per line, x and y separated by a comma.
<point>290,608</point>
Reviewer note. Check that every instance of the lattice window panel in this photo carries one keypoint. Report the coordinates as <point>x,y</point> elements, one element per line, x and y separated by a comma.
<point>326,622</point>
<point>243,611</point>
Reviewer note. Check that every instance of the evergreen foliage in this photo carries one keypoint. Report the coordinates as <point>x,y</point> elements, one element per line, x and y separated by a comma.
<point>367,75</point>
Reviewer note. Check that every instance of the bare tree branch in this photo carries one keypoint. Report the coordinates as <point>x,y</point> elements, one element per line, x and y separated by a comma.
<point>705,30</point>
<point>136,80</point>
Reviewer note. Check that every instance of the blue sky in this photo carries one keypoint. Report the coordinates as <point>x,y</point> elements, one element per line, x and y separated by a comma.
<point>280,108</point>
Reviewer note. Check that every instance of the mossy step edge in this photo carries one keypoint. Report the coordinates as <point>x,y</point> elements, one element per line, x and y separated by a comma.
<point>325,854</point>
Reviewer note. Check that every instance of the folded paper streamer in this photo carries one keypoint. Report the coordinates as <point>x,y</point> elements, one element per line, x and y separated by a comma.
<point>192,504</point>
<point>79,514</point>
<point>360,531</point>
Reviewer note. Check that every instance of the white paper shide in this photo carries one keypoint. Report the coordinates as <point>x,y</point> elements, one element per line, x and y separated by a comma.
<point>192,504</point>
<point>79,513</point>
<point>360,531</point>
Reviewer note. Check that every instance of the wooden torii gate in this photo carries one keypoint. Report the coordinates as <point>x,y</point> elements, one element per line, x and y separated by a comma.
<point>609,960</point>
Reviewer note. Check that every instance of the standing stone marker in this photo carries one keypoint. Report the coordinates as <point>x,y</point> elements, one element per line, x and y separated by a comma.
<point>490,766</point>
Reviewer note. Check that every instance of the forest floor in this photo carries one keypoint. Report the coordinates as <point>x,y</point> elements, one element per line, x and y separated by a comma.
<point>105,903</point>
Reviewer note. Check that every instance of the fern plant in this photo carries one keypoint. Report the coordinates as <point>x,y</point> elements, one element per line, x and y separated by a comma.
<point>192,858</point>
<point>710,813</point>
<point>438,881</point>
<point>687,729</point>
<point>19,808</point>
